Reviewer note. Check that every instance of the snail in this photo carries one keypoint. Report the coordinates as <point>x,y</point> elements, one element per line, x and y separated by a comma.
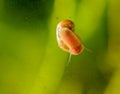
<point>67,39</point>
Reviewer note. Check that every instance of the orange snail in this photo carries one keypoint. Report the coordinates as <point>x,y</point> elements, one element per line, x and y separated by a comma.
<point>67,39</point>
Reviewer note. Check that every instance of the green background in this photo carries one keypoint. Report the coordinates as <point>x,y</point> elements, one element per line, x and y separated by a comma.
<point>31,61</point>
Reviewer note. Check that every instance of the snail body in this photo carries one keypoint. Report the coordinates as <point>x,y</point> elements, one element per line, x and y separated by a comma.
<point>67,39</point>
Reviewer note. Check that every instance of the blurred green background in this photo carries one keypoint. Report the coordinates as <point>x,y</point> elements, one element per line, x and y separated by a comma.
<point>31,61</point>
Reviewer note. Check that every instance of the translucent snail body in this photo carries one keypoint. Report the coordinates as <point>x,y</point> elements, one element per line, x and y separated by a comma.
<point>67,39</point>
